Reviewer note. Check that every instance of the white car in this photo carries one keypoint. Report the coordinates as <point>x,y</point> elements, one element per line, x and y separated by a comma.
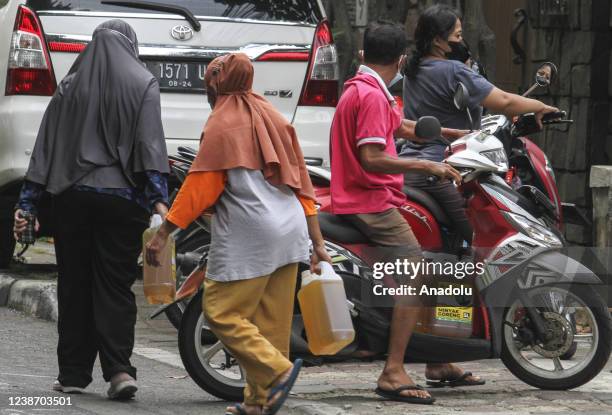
<point>289,42</point>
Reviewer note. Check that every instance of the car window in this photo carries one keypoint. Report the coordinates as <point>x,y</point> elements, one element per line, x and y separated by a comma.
<point>270,10</point>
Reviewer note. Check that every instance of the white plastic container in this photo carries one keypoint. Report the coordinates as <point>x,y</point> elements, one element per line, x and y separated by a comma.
<point>159,282</point>
<point>325,311</point>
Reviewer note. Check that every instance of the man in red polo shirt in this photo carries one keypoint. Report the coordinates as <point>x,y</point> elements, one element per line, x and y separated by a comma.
<point>366,188</point>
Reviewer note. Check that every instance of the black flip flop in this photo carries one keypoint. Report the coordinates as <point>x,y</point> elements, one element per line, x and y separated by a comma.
<point>240,408</point>
<point>395,395</point>
<point>284,388</point>
<point>455,382</point>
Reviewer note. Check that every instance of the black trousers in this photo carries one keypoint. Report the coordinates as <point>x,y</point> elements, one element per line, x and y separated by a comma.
<point>98,239</point>
<point>449,198</point>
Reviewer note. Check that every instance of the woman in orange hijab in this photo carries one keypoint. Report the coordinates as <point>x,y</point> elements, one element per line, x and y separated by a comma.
<point>250,168</point>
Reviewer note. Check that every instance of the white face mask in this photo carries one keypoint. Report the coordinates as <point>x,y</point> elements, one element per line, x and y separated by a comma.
<point>398,77</point>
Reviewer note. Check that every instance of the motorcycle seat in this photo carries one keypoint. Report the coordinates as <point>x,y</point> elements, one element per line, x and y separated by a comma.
<point>340,230</point>
<point>428,202</point>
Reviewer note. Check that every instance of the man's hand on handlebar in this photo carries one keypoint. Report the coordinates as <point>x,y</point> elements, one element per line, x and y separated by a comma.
<point>407,130</point>
<point>546,110</point>
<point>443,171</point>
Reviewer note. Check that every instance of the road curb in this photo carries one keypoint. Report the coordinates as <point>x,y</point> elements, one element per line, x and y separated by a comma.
<point>34,297</point>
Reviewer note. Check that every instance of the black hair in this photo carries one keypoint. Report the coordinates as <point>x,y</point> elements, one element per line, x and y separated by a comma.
<point>438,20</point>
<point>384,42</point>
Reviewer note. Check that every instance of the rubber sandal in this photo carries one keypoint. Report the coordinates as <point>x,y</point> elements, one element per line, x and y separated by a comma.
<point>285,388</point>
<point>240,408</point>
<point>395,395</point>
<point>455,382</point>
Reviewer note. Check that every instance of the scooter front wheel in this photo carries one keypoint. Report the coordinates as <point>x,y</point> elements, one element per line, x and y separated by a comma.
<point>541,364</point>
<point>209,365</point>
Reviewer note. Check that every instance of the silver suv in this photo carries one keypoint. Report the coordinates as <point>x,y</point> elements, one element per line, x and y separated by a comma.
<point>289,42</point>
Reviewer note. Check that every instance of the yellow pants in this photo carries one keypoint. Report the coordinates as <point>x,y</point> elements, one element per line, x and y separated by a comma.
<point>252,318</point>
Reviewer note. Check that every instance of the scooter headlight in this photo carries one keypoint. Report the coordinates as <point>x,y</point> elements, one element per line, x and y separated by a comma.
<point>498,157</point>
<point>533,230</point>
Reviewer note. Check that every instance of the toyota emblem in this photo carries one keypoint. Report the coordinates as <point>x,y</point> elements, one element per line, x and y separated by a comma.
<point>181,32</point>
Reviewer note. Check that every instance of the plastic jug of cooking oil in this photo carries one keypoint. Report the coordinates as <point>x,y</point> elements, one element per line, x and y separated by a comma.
<point>450,316</point>
<point>159,282</point>
<point>325,311</point>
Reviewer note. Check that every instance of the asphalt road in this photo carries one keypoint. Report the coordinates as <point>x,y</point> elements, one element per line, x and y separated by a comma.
<point>28,368</point>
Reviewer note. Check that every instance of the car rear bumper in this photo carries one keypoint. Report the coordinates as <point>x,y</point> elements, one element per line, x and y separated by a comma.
<point>312,125</point>
<point>20,118</point>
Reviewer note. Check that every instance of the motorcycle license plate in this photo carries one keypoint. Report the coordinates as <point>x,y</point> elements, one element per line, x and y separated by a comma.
<point>179,76</point>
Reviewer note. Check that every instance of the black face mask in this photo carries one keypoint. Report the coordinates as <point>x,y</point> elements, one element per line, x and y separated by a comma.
<point>459,52</point>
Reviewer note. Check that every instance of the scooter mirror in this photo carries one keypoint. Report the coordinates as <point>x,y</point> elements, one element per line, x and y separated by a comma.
<point>461,97</point>
<point>428,128</point>
<point>546,74</point>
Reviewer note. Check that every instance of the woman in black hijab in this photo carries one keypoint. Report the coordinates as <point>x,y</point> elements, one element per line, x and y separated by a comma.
<point>101,154</point>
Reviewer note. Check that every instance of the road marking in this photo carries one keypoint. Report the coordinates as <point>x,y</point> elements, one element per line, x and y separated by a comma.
<point>160,355</point>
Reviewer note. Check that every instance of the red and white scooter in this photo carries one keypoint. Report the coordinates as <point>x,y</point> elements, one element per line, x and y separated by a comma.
<point>522,309</point>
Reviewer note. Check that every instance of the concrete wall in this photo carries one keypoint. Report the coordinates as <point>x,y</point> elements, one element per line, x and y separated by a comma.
<point>577,36</point>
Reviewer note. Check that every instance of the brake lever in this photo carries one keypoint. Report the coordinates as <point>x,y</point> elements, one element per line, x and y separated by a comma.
<point>558,122</point>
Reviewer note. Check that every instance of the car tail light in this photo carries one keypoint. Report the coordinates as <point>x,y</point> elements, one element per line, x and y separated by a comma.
<point>29,67</point>
<point>67,47</point>
<point>321,85</point>
<point>278,56</point>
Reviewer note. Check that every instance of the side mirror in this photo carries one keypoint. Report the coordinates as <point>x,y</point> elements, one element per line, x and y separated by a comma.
<point>428,128</point>
<point>461,97</point>
<point>546,74</point>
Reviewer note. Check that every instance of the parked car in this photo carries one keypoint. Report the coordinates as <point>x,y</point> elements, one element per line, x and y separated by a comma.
<point>289,42</point>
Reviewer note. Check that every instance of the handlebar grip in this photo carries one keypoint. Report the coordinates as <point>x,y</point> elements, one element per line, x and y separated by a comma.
<point>559,115</point>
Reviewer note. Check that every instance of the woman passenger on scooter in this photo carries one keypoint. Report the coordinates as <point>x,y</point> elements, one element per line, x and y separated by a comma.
<point>430,80</point>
